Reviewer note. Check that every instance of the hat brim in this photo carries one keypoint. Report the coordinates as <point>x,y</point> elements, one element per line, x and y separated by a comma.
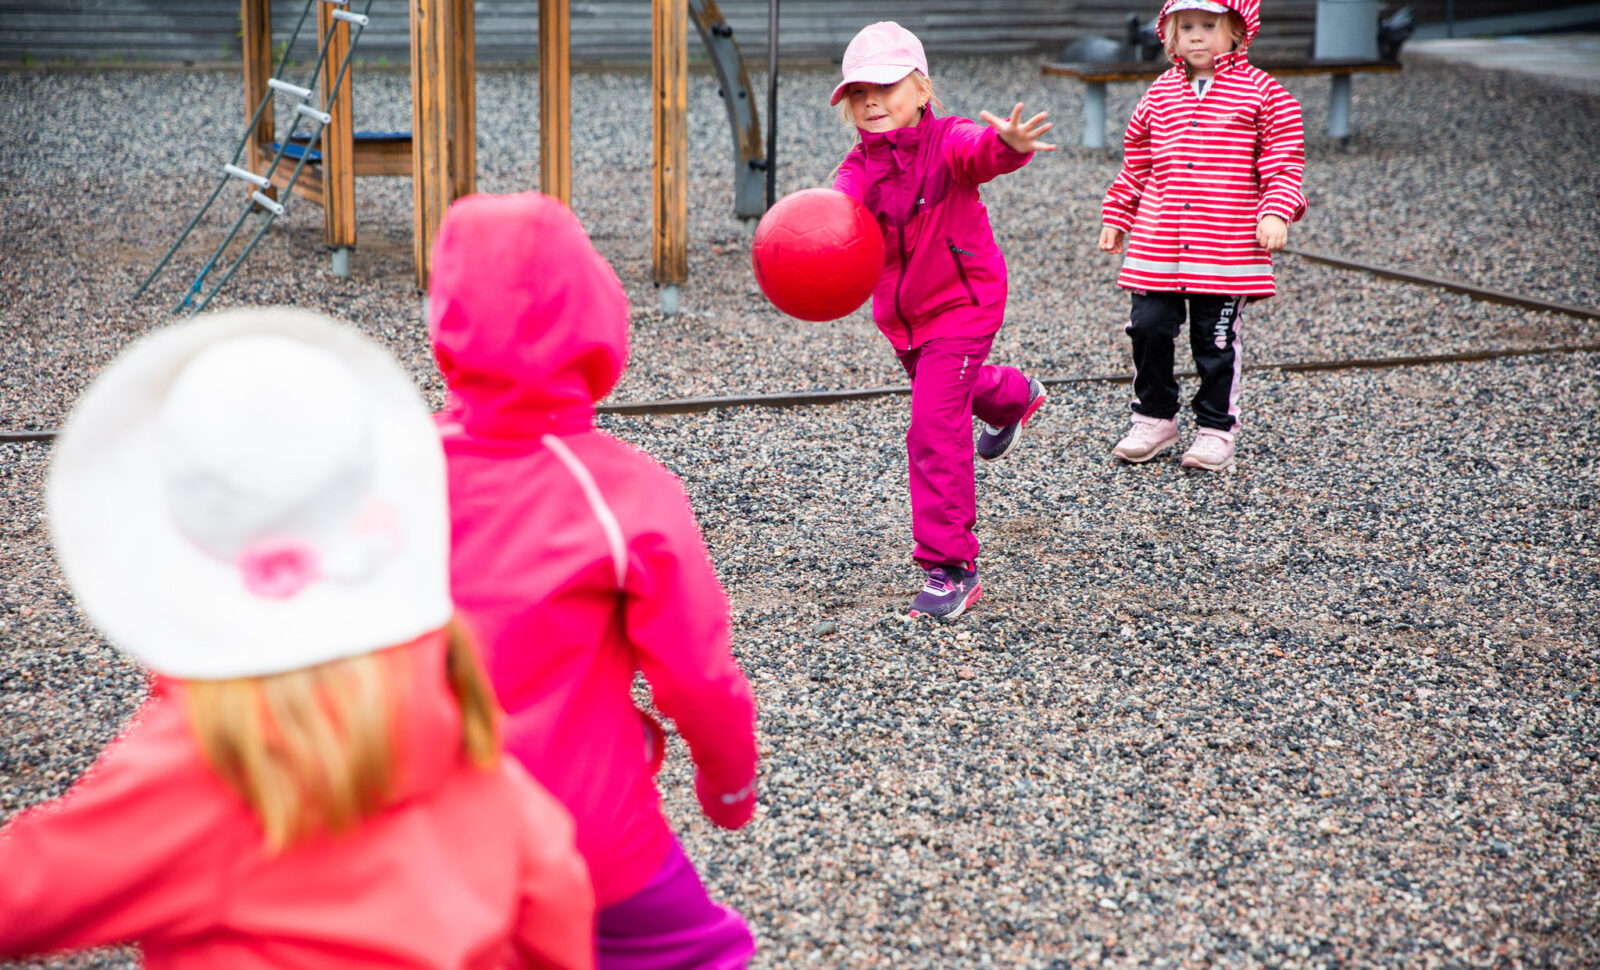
<point>188,614</point>
<point>1208,6</point>
<point>873,74</point>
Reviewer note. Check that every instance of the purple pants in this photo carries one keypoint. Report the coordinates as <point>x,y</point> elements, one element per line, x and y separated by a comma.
<point>951,385</point>
<point>671,924</point>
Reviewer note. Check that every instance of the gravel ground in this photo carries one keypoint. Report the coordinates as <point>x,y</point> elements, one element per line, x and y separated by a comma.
<point>1337,709</point>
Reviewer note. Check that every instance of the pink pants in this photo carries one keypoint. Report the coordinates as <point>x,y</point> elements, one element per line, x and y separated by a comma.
<point>672,924</point>
<point>950,385</point>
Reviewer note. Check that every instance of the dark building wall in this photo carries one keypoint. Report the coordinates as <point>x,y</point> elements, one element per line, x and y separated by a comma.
<point>175,31</point>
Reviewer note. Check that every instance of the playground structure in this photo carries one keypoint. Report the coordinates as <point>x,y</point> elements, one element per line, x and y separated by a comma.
<point>438,154</point>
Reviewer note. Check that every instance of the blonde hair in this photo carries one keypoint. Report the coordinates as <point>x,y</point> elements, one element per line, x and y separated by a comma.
<point>922,81</point>
<point>1236,27</point>
<point>313,750</point>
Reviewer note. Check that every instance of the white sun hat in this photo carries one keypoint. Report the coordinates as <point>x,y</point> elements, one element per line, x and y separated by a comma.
<point>252,492</point>
<point>882,53</point>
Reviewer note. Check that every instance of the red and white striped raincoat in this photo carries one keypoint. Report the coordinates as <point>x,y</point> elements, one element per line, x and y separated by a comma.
<point>1198,174</point>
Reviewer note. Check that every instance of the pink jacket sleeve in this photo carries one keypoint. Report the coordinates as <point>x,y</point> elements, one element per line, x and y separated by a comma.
<point>1121,203</point>
<point>555,922</point>
<point>848,178</point>
<point>1281,163</point>
<point>678,622</point>
<point>976,154</point>
<point>121,857</point>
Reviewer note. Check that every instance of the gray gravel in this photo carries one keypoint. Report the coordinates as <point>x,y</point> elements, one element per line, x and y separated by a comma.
<point>1337,709</point>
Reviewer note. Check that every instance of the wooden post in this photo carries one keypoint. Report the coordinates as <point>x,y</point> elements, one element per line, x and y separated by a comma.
<point>670,86</point>
<point>431,82</point>
<point>555,99</point>
<point>256,22</point>
<point>463,102</point>
<point>336,142</point>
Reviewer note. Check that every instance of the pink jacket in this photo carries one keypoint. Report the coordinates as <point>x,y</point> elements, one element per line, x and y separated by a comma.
<point>577,559</point>
<point>1198,174</point>
<point>468,869</point>
<point>943,274</point>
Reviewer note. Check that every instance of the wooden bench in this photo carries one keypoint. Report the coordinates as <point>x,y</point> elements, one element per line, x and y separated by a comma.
<point>1096,76</point>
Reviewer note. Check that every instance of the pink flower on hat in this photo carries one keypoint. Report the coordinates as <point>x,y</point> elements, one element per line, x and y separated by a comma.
<point>278,569</point>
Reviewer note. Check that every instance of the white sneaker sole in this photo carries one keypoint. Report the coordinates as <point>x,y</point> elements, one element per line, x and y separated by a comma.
<point>1198,465</point>
<point>1138,458</point>
<point>965,605</point>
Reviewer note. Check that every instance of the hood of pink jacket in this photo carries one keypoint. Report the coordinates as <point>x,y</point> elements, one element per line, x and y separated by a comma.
<point>1250,10</point>
<point>529,322</point>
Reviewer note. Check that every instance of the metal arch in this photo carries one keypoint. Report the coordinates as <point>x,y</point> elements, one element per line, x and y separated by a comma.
<point>749,167</point>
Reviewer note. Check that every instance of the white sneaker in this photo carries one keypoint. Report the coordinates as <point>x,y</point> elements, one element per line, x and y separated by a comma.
<point>1212,451</point>
<point>1147,438</point>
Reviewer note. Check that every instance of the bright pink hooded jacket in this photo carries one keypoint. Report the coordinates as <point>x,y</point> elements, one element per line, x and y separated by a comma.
<point>467,869</point>
<point>943,274</point>
<point>576,558</point>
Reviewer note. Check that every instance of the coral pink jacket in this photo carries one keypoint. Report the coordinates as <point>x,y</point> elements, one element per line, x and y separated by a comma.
<point>1199,173</point>
<point>576,558</point>
<point>467,869</point>
<point>943,274</point>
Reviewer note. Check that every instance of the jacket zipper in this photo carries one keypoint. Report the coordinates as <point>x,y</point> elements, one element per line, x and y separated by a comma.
<point>956,253</point>
<point>900,281</point>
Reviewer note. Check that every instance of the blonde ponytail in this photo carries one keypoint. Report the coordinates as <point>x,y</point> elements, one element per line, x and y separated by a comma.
<point>313,750</point>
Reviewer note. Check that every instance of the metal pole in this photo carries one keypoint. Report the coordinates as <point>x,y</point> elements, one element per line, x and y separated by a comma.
<point>772,102</point>
<point>1449,18</point>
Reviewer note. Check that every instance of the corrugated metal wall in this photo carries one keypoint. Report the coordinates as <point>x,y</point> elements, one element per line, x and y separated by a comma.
<point>207,31</point>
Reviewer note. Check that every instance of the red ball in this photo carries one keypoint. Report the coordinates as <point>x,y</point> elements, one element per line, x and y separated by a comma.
<point>817,254</point>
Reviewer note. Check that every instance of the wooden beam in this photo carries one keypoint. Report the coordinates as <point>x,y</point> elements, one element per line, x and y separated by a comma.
<point>256,23</point>
<point>383,156</point>
<point>430,129</point>
<point>669,77</point>
<point>555,99</point>
<point>338,156</point>
<point>307,186</point>
<point>1100,72</point>
<point>462,100</point>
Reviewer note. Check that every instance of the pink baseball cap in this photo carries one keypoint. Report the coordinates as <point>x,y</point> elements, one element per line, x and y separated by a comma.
<point>882,53</point>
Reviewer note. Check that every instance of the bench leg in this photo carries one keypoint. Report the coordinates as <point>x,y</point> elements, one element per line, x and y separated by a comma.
<point>1094,115</point>
<point>1339,108</point>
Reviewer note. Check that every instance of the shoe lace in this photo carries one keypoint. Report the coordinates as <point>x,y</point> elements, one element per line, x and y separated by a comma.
<point>1145,432</point>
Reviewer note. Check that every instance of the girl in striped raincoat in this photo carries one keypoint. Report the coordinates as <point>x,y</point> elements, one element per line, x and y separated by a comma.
<point>1210,180</point>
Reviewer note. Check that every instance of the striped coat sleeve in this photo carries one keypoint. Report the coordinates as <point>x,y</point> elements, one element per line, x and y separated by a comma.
<point>1281,163</point>
<point>1122,199</point>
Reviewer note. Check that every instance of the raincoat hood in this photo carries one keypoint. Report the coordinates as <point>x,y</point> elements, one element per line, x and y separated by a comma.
<point>529,323</point>
<point>1250,10</point>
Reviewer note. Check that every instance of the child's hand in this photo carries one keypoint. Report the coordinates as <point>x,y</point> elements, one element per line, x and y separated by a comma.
<point>1111,239</point>
<point>1021,136</point>
<point>1272,233</point>
<point>727,810</point>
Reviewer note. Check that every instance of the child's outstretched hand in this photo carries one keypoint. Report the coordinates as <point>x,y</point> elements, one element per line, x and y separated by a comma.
<point>1021,136</point>
<point>1272,233</point>
<point>727,810</point>
<point>1111,239</point>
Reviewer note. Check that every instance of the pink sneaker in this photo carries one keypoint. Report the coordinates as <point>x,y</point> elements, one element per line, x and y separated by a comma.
<point>1212,451</point>
<point>1147,438</point>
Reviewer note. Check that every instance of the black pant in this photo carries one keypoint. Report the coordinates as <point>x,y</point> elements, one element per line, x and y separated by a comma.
<point>1153,325</point>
